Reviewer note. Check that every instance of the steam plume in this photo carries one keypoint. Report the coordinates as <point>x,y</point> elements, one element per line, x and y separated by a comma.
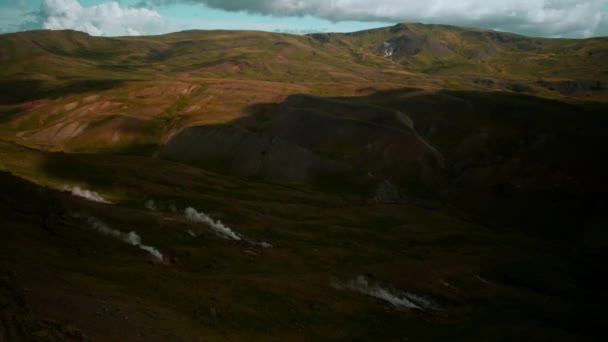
<point>131,238</point>
<point>87,194</point>
<point>263,244</point>
<point>218,226</point>
<point>402,300</point>
<point>150,205</point>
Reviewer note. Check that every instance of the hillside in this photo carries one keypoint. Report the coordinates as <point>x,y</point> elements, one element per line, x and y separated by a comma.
<point>69,91</point>
<point>415,181</point>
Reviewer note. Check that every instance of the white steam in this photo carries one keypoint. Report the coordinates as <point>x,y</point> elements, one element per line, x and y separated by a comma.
<point>218,226</point>
<point>388,49</point>
<point>131,238</point>
<point>87,194</point>
<point>262,244</point>
<point>150,205</point>
<point>401,300</point>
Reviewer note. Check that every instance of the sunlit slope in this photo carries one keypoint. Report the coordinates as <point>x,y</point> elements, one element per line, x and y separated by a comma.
<point>52,78</point>
<point>58,86</point>
<point>68,91</point>
<point>461,167</point>
<point>251,55</point>
<point>454,51</point>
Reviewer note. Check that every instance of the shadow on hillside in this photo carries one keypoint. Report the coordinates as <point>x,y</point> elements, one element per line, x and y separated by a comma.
<point>18,91</point>
<point>530,166</point>
<point>512,160</point>
<point>85,168</point>
<point>9,114</point>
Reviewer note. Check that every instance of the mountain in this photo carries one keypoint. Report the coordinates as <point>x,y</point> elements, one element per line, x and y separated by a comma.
<point>457,164</point>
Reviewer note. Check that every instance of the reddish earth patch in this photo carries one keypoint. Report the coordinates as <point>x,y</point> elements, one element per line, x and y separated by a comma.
<point>164,93</point>
<point>192,109</point>
<point>90,98</point>
<point>29,106</point>
<point>227,67</point>
<point>96,109</point>
<point>59,133</point>
<point>70,106</point>
<point>115,130</point>
<point>149,111</point>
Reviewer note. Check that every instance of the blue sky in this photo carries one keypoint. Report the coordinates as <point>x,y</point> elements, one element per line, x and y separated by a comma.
<point>188,16</point>
<point>549,18</point>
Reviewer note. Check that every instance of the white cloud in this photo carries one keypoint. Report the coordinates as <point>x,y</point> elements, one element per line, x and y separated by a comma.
<point>106,19</point>
<point>548,18</point>
<point>577,18</point>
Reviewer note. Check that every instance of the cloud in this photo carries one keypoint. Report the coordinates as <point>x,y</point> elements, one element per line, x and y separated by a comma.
<point>547,18</point>
<point>574,18</point>
<point>106,19</point>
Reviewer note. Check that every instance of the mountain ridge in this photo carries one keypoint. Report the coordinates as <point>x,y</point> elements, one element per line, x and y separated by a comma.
<point>69,91</point>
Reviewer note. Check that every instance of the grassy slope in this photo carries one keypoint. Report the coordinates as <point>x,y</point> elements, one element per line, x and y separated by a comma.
<point>69,91</point>
<point>203,77</point>
<point>503,284</point>
<point>67,66</point>
<point>453,51</point>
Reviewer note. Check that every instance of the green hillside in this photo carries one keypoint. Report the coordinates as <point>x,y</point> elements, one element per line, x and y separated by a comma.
<point>415,182</point>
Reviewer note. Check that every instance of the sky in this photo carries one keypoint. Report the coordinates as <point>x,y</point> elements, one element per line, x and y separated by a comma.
<point>543,18</point>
